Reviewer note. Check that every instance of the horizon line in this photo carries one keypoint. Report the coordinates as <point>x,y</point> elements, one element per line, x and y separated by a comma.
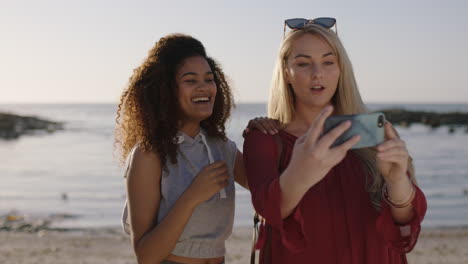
<point>242,102</point>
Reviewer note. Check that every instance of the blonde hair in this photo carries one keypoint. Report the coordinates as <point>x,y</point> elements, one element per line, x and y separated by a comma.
<point>346,100</point>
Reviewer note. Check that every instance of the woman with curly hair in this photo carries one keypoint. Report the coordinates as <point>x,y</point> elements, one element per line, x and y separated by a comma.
<point>181,167</point>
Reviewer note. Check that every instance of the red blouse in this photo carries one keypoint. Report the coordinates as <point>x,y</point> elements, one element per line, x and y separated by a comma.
<point>335,221</point>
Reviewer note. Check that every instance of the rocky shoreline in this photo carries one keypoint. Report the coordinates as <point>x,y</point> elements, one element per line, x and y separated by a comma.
<point>13,126</point>
<point>18,222</point>
<point>407,118</point>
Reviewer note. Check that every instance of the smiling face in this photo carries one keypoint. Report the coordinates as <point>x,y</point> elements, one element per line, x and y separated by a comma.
<point>196,89</point>
<point>312,70</point>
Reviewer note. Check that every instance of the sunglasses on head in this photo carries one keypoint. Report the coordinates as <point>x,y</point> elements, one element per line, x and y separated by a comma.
<point>298,23</point>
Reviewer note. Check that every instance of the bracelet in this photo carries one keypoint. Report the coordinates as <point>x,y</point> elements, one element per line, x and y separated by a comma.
<point>398,204</point>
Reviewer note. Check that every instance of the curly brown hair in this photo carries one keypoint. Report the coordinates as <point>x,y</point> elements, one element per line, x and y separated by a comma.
<point>149,111</point>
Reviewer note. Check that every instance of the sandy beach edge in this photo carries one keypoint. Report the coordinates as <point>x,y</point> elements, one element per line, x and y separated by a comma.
<point>111,245</point>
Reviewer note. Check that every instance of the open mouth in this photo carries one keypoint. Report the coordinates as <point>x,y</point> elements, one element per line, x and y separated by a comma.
<point>201,99</point>
<point>317,88</point>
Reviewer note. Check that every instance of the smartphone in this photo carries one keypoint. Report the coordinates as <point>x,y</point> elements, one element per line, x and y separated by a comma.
<point>369,126</point>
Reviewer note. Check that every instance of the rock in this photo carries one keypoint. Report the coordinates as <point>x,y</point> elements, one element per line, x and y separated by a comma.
<point>13,126</point>
<point>404,124</point>
<point>14,221</point>
<point>12,217</point>
<point>432,119</point>
<point>41,233</point>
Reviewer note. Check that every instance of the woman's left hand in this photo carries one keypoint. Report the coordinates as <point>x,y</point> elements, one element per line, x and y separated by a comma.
<point>392,156</point>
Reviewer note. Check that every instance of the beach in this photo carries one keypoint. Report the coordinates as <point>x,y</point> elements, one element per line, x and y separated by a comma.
<point>63,204</point>
<point>110,245</point>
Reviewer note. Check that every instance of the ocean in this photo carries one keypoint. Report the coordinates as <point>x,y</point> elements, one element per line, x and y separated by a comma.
<point>37,171</point>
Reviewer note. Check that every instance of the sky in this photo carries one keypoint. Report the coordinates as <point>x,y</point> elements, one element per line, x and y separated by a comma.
<point>85,51</point>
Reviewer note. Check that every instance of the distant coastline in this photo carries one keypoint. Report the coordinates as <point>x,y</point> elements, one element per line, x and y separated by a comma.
<point>236,101</point>
<point>13,126</point>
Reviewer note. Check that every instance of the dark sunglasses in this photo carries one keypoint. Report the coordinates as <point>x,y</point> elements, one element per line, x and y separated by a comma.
<point>298,23</point>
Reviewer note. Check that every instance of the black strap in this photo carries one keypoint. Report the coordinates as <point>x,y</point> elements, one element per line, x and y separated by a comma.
<point>279,145</point>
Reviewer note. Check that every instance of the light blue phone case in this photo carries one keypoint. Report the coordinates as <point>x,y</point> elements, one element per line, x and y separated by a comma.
<point>369,126</point>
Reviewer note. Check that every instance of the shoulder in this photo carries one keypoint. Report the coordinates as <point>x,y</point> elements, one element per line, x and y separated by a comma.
<point>256,137</point>
<point>226,146</point>
<point>220,142</point>
<point>141,162</point>
<point>140,156</point>
<point>260,145</point>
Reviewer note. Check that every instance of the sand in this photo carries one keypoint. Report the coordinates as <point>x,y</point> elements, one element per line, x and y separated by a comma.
<point>448,245</point>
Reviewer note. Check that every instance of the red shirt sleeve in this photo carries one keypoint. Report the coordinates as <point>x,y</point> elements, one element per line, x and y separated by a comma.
<point>402,238</point>
<point>261,164</point>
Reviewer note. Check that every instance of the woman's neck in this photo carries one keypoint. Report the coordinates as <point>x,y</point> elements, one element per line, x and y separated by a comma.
<point>190,128</point>
<point>303,118</point>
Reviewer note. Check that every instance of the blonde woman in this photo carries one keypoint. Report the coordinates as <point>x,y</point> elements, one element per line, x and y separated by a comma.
<point>327,204</point>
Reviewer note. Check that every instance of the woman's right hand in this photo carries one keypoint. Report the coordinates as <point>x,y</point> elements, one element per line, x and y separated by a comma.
<point>264,124</point>
<point>210,180</point>
<point>313,155</point>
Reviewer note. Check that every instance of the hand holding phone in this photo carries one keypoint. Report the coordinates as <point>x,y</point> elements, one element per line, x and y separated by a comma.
<point>369,126</point>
